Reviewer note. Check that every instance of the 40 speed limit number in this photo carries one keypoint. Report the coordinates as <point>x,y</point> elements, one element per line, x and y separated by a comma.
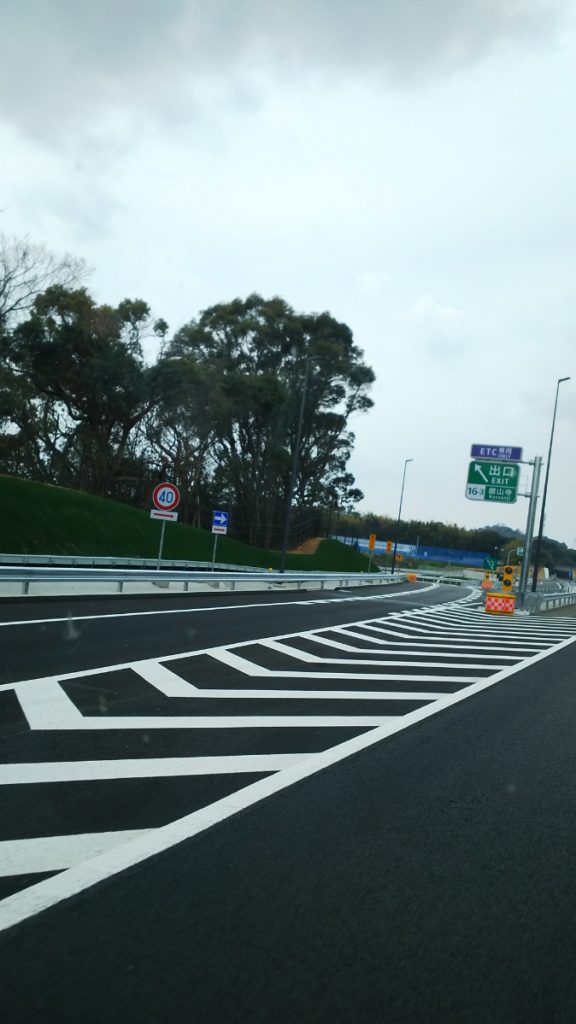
<point>166,497</point>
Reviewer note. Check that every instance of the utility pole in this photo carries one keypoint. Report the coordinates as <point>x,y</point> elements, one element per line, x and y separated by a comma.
<point>406,461</point>
<point>536,469</point>
<point>545,491</point>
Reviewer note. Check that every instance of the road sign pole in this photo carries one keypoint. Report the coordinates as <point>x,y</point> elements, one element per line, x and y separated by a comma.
<point>529,531</point>
<point>161,545</point>
<point>214,551</point>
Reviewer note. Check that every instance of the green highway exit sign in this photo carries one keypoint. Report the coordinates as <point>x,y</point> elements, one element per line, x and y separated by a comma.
<point>493,481</point>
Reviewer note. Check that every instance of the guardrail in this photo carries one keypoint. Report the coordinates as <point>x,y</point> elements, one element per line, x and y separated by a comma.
<point>439,577</point>
<point>111,562</point>
<point>535,603</point>
<point>31,575</point>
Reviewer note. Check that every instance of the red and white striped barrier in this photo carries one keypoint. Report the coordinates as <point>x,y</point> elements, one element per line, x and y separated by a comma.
<point>500,604</point>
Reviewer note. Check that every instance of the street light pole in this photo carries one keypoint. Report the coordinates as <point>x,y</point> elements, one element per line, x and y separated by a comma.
<point>545,491</point>
<point>406,461</point>
<point>295,459</point>
<point>525,571</point>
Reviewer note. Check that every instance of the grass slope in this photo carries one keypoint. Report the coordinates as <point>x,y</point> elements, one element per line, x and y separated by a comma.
<point>42,519</point>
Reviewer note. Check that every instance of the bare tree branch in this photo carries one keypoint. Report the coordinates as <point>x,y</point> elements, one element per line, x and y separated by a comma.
<point>27,269</point>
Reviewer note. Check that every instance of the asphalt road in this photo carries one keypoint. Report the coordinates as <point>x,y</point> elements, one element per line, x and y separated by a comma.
<point>68,634</point>
<point>426,876</point>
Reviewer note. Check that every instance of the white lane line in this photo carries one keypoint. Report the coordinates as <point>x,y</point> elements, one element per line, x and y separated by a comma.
<point>249,668</point>
<point>346,631</point>
<point>383,656</point>
<point>468,615</point>
<point>163,679</point>
<point>460,641</point>
<point>29,902</point>
<point>509,629</point>
<point>56,853</point>
<point>327,695</point>
<point>149,722</point>
<point>465,618</point>
<point>428,647</point>
<point>180,655</point>
<point>221,608</point>
<point>469,631</point>
<point>469,638</point>
<point>46,706</point>
<point>142,768</point>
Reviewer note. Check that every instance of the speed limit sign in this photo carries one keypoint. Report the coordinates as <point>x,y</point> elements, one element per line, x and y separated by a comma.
<point>166,496</point>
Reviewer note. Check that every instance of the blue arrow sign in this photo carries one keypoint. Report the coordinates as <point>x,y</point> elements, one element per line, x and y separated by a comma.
<point>219,518</point>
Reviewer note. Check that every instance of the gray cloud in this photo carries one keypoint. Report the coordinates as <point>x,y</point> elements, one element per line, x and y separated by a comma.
<point>65,61</point>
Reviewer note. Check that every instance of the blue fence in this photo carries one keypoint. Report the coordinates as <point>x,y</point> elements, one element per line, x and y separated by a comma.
<point>426,552</point>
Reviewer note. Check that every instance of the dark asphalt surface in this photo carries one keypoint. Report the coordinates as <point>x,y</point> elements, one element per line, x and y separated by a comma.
<point>77,643</point>
<point>428,878</point>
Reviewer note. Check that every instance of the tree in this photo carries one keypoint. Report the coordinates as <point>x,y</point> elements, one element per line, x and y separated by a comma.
<point>257,353</point>
<point>83,365</point>
<point>177,435</point>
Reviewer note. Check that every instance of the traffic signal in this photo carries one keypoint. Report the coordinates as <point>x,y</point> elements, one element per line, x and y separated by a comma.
<point>388,546</point>
<point>507,577</point>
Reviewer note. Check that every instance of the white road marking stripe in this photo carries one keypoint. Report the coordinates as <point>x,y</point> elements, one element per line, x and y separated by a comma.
<point>348,632</point>
<point>327,694</point>
<point>249,668</point>
<point>476,633</point>
<point>411,644</point>
<point>36,898</point>
<point>458,641</point>
<point>180,655</point>
<point>142,768</point>
<point>300,655</point>
<point>46,706</point>
<point>56,853</point>
<point>464,619</point>
<point>467,638</point>
<point>150,722</point>
<point>163,679</point>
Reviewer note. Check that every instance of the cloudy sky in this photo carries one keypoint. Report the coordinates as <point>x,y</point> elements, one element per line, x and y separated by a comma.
<point>409,166</point>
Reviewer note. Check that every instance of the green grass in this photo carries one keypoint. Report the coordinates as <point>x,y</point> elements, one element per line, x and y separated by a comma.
<point>45,520</point>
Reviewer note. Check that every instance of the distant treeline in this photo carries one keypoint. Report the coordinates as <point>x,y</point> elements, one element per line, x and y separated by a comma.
<point>446,535</point>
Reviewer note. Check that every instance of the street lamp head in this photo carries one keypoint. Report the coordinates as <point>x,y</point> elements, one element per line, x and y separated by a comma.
<point>561,379</point>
